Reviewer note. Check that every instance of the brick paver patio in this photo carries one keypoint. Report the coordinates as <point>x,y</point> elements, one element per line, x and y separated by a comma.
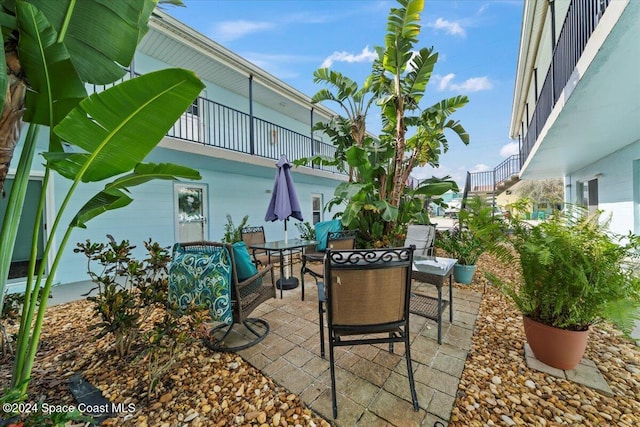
<point>372,383</point>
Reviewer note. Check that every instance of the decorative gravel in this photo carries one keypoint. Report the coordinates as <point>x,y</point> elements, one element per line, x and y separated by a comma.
<point>206,388</point>
<point>497,387</point>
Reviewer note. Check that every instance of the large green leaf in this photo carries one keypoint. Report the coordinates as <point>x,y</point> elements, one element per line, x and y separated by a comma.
<point>417,79</point>
<point>112,196</point>
<point>145,172</point>
<point>435,188</point>
<point>117,128</point>
<point>55,85</point>
<point>351,212</point>
<point>100,203</point>
<point>100,35</point>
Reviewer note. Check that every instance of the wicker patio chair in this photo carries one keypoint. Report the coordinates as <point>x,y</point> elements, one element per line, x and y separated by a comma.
<point>367,297</point>
<point>245,297</point>
<point>312,262</point>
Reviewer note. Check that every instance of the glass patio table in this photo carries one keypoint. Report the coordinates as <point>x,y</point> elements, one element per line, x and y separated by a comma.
<point>281,247</point>
<point>434,271</point>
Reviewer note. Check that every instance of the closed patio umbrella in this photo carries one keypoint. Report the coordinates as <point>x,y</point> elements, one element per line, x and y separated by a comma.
<point>283,205</point>
<point>284,202</point>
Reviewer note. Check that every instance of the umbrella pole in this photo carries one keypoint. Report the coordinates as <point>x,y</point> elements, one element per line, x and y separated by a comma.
<point>287,265</point>
<point>286,281</point>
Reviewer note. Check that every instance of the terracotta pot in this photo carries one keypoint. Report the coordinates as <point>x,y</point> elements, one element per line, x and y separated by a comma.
<point>553,346</point>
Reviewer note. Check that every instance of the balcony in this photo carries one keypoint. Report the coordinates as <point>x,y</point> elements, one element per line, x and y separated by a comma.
<point>209,123</point>
<point>580,22</point>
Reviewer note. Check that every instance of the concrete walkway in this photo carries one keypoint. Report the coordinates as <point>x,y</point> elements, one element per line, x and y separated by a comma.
<point>372,383</point>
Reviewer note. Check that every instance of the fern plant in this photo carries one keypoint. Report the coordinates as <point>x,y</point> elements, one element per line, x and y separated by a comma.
<point>575,272</point>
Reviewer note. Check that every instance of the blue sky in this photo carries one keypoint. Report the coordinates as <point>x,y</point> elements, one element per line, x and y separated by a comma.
<point>477,42</point>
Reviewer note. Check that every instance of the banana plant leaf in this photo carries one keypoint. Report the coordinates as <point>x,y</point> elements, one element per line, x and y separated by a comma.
<point>55,84</point>
<point>117,128</point>
<point>100,203</point>
<point>112,197</point>
<point>83,27</point>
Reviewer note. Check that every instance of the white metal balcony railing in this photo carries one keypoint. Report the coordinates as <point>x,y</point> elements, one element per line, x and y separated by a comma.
<point>210,123</point>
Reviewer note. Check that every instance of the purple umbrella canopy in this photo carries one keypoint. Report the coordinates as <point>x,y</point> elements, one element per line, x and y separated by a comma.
<point>284,202</point>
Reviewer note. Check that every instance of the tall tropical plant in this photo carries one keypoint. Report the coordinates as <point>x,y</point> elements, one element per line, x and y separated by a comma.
<point>61,47</point>
<point>400,78</point>
<point>377,200</point>
<point>51,50</point>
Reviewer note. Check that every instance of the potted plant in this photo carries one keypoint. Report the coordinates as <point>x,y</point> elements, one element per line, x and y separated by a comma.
<point>477,232</point>
<point>575,273</point>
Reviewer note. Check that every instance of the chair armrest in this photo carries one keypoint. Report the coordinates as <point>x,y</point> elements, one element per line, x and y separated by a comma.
<point>261,273</point>
<point>313,256</point>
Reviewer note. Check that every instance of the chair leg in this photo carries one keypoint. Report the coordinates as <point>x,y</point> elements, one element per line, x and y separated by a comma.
<point>407,353</point>
<point>302,267</point>
<point>332,368</point>
<point>321,321</point>
<point>258,327</point>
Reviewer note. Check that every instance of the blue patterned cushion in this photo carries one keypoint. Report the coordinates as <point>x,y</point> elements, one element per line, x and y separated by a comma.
<point>322,229</point>
<point>202,278</point>
<point>244,266</point>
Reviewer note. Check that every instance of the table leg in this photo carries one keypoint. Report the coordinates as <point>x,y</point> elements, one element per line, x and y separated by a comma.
<point>439,315</point>
<point>281,273</point>
<point>450,300</point>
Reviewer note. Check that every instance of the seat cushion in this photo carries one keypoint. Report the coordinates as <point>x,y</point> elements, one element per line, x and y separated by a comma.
<point>244,266</point>
<point>202,278</point>
<point>322,229</point>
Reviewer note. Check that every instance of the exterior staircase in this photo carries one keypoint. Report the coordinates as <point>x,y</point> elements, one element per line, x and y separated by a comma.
<point>489,184</point>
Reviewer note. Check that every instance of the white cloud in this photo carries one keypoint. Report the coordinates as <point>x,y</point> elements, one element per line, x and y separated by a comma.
<point>366,55</point>
<point>480,167</point>
<point>452,28</point>
<point>232,30</point>
<point>474,84</point>
<point>283,66</point>
<point>510,149</point>
<point>444,81</point>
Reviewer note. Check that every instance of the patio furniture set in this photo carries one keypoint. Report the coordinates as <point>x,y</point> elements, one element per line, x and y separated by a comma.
<point>365,295</point>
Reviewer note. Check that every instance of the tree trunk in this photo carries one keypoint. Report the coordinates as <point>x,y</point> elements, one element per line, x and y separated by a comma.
<point>11,119</point>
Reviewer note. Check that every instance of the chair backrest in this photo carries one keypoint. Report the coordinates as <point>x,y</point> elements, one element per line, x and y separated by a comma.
<point>245,295</point>
<point>343,239</point>
<point>322,229</point>
<point>422,237</point>
<point>201,273</point>
<point>252,235</point>
<point>367,288</point>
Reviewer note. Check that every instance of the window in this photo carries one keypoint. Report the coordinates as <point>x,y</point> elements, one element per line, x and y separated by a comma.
<point>22,248</point>
<point>588,194</point>
<point>316,207</point>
